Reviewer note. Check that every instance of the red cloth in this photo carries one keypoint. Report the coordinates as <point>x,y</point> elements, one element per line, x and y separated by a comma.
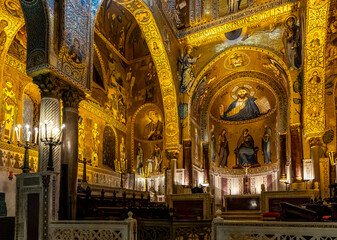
<point>271,214</point>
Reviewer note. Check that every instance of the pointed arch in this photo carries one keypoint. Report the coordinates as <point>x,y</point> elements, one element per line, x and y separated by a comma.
<point>153,38</point>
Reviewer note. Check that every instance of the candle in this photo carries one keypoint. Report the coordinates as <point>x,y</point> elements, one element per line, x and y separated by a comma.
<point>51,129</point>
<point>28,136</point>
<point>11,137</point>
<point>55,132</point>
<point>36,130</point>
<point>19,130</point>
<point>61,132</point>
<point>27,132</point>
<point>45,129</point>
<point>17,134</point>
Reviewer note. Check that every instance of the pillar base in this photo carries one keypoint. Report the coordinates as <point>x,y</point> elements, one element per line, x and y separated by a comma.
<point>283,177</point>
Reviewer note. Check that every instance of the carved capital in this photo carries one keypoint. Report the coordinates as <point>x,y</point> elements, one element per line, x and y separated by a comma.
<point>295,128</point>
<point>315,141</point>
<point>49,84</point>
<point>187,144</point>
<point>72,96</point>
<point>172,153</point>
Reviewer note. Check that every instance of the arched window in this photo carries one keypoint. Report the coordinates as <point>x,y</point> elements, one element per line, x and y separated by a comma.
<point>28,115</point>
<point>109,147</point>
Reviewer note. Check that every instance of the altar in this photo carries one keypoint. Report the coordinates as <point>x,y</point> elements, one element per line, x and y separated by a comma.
<point>249,202</point>
<point>192,206</point>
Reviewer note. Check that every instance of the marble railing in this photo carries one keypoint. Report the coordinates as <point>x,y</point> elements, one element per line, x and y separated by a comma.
<point>260,230</point>
<point>92,230</point>
<point>174,230</point>
<point>100,176</point>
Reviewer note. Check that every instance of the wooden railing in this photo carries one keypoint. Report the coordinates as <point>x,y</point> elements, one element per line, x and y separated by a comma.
<point>117,206</point>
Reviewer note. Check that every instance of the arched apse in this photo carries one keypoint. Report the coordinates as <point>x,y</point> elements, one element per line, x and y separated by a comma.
<point>269,97</point>
<point>256,58</point>
<point>139,134</point>
<point>277,89</point>
<point>155,43</point>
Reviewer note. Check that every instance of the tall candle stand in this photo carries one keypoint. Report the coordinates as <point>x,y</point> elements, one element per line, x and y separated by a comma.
<point>52,141</point>
<point>84,161</point>
<point>26,145</point>
<point>246,189</point>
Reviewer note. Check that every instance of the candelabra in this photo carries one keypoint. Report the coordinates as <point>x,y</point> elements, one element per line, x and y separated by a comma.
<point>246,189</point>
<point>27,145</point>
<point>84,161</point>
<point>54,139</point>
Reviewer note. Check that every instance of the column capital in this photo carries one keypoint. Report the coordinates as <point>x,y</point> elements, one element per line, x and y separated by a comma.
<point>72,96</point>
<point>187,143</point>
<point>295,127</point>
<point>49,84</point>
<point>315,141</point>
<point>172,153</point>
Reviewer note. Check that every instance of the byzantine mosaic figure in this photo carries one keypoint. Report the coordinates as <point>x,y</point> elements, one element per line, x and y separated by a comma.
<point>245,106</point>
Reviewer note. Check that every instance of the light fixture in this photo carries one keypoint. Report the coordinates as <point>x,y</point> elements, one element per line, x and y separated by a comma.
<point>10,177</point>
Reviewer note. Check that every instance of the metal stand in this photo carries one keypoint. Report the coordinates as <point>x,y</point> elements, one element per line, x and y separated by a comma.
<point>84,161</point>
<point>27,146</point>
<point>51,143</point>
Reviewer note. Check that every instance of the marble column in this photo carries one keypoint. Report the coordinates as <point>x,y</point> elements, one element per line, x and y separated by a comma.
<point>283,156</point>
<point>188,162</point>
<point>296,152</point>
<point>315,152</point>
<point>71,98</point>
<point>206,162</point>
<point>173,175</point>
<point>50,112</point>
<point>172,156</point>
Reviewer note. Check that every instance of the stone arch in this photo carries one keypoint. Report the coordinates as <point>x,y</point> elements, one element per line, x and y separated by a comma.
<point>14,25</point>
<point>99,56</point>
<point>150,30</point>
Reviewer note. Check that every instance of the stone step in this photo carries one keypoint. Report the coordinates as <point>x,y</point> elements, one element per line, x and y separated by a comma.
<point>241,215</point>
